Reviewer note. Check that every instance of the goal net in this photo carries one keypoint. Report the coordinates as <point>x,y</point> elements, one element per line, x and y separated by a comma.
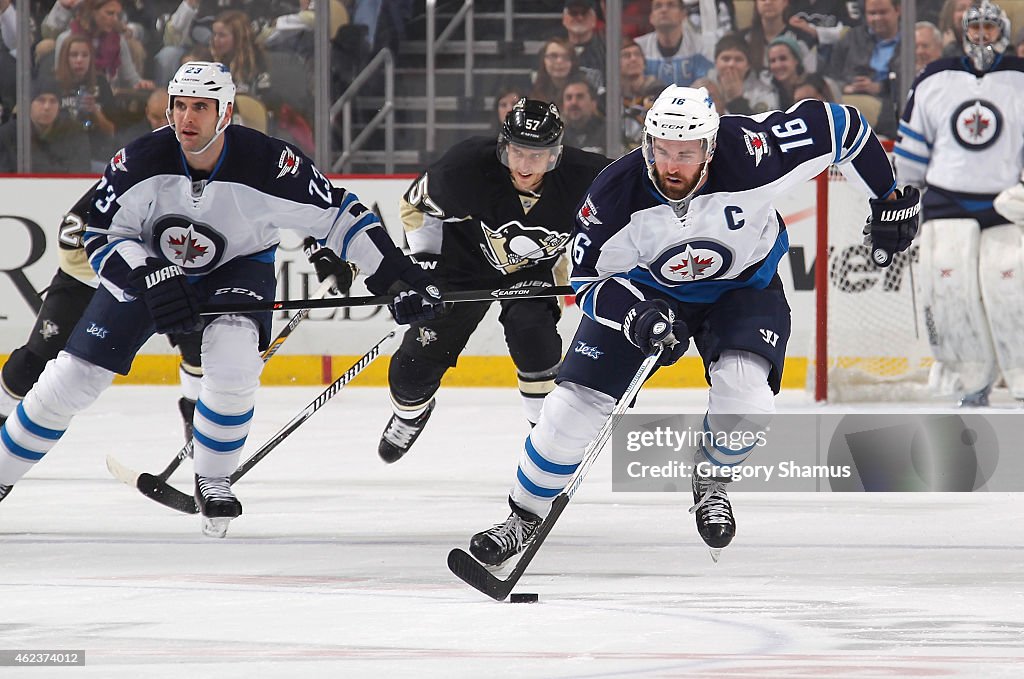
<point>872,345</point>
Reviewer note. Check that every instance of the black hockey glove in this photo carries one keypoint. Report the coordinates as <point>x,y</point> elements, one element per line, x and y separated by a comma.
<point>892,225</point>
<point>327,264</point>
<point>421,303</point>
<point>651,323</point>
<point>172,302</point>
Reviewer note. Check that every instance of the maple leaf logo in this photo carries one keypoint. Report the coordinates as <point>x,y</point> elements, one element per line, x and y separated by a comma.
<point>186,248</point>
<point>692,266</point>
<point>976,124</point>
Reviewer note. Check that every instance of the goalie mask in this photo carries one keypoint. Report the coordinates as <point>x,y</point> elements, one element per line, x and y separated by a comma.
<point>991,30</point>
<point>532,124</point>
<point>205,80</point>
<point>681,114</point>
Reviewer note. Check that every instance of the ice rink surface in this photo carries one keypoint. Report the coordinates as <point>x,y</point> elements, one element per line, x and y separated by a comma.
<point>337,567</point>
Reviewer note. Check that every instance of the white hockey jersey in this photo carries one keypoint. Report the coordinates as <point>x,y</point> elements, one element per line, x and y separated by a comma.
<point>151,204</point>
<point>629,238</point>
<point>962,135</point>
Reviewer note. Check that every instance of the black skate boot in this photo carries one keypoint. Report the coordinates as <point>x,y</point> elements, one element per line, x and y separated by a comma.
<point>187,407</point>
<point>713,513</point>
<point>401,433</point>
<point>497,545</point>
<point>5,491</point>
<point>217,504</point>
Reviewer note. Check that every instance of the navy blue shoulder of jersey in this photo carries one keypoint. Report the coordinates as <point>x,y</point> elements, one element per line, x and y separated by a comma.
<point>752,152</point>
<point>620,190</point>
<point>150,155</point>
<point>1008,62</point>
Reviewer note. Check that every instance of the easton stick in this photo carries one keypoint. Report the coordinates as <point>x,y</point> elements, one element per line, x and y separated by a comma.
<point>131,477</point>
<point>384,300</point>
<point>159,490</point>
<point>476,575</point>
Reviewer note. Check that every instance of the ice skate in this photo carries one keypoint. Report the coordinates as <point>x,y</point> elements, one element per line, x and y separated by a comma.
<point>401,433</point>
<point>978,399</point>
<point>217,504</point>
<point>187,407</point>
<point>713,513</point>
<point>498,544</point>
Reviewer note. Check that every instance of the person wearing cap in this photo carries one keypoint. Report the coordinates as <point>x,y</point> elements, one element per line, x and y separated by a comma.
<point>579,17</point>
<point>785,68</point>
<point>58,146</point>
<point>190,215</point>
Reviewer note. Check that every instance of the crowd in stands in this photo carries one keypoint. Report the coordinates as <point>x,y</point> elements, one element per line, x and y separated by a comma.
<point>98,65</point>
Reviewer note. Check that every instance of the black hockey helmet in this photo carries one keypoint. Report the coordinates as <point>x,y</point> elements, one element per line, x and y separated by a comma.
<point>533,124</point>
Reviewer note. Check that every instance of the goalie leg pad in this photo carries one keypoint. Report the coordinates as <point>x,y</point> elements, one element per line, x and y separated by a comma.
<point>231,375</point>
<point>1001,272</point>
<point>67,386</point>
<point>571,418</point>
<point>954,316</point>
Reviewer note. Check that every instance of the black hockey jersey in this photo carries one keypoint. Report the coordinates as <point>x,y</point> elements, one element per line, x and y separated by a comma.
<point>466,208</point>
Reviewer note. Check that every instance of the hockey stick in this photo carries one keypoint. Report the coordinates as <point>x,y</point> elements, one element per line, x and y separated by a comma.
<point>476,575</point>
<point>384,300</point>
<point>159,490</point>
<point>131,477</point>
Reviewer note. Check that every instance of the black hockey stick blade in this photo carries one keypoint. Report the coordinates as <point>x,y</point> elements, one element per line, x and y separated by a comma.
<point>384,300</point>
<point>476,575</point>
<point>157,489</point>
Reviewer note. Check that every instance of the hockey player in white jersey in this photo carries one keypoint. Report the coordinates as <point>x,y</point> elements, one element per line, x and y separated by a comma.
<point>678,241</point>
<point>187,215</point>
<point>962,138</point>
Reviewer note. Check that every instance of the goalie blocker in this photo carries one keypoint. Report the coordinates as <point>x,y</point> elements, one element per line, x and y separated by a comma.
<point>893,224</point>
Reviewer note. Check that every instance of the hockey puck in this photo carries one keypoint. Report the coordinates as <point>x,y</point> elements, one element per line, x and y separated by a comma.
<point>524,598</point>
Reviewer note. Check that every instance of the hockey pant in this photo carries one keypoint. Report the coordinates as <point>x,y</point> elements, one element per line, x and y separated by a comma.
<point>428,350</point>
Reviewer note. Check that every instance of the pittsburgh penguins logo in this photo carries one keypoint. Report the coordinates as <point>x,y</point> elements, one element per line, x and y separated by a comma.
<point>977,124</point>
<point>195,247</point>
<point>512,246</point>
<point>690,261</point>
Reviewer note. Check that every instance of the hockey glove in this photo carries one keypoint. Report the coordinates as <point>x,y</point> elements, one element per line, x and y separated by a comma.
<point>327,264</point>
<point>172,301</point>
<point>892,225</point>
<point>421,303</point>
<point>652,323</point>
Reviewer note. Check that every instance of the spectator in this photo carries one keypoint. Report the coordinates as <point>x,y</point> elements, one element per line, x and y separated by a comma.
<point>785,68</point>
<point>927,44</point>
<point>733,84</point>
<point>633,81</point>
<point>503,103</point>
<point>293,33</point>
<point>635,112</point>
<point>951,20</point>
<point>8,27</point>
<point>673,50</point>
<point>769,22</point>
<point>85,95</point>
<point>866,55</point>
<point>156,117</point>
<point>233,44</point>
<point>584,124</point>
<point>58,145</point>
<point>813,86</point>
<point>557,65</point>
<point>100,20</point>
<point>821,22</point>
<point>723,20</point>
<point>579,17</point>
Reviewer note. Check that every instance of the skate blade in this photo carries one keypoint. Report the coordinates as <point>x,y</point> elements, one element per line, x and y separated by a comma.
<point>216,527</point>
<point>715,553</point>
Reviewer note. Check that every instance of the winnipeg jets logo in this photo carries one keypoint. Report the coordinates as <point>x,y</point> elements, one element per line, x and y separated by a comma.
<point>695,260</point>
<point>97,331</point>
<point>49,329</point>
<point>512,246</point>
<point>288,163</point>
<point>186,247</point>
<point>587,215</point>
<point>588,350</point>
<point>117,163</point>
<point>977,124</point>
<point>194,246</point>
<point>426,336</point>
<point>757,145</point>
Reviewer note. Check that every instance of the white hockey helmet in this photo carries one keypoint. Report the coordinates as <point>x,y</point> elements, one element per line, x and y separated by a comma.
<point>206,80</point>
<point>681,114</point>
<point>984,54</point>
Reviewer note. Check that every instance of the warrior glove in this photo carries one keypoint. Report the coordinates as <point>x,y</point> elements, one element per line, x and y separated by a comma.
<point>892,225</point>
<point>652,323</point>
<point>172,301</point>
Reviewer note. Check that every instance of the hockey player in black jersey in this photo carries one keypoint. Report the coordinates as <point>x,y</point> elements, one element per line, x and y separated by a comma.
<point>67,296</point>
<point>490,213</point>
<point>188,215</point>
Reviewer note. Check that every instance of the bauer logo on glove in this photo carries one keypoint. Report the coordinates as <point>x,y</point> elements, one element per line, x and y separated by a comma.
<point>892,225</point>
